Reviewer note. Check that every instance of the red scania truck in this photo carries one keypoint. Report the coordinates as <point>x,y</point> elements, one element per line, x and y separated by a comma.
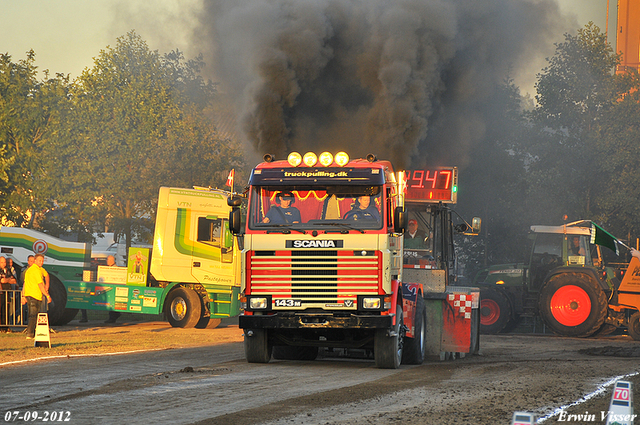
<point>322,265</point>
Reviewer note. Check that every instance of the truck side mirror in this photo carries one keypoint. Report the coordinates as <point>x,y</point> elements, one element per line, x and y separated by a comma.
<point>235,221</point>
<point>399,220</point>
<point>234,201</point>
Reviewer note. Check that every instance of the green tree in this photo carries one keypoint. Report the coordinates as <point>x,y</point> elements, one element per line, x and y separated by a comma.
<point>139,121</point>
<point>578,84</point>
<point>574,94</point>
<point>617,148</point>
<point>30,115</point>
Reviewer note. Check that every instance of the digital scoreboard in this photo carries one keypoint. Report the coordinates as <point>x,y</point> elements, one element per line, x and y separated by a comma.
<point>432,185</point>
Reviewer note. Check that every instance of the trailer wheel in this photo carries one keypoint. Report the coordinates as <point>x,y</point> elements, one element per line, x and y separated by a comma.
<point>495,311</point>
<point>387,349</point>
<point>183,307</point>
<point>290,352</point>
<point>208,323</point>
<point>68,315</point>
<point>414,348</point>
<point>58,314</point>
<point>634,326</point>
<point>256,346</point>
<point>573,304</point>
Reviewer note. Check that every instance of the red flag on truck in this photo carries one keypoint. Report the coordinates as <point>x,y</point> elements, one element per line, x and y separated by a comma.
<point>230,178</point>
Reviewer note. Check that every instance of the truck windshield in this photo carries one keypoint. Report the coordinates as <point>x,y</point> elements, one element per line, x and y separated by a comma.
<point>323,208</point>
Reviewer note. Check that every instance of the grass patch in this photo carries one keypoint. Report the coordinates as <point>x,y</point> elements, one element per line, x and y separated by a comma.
<point>98,338</point>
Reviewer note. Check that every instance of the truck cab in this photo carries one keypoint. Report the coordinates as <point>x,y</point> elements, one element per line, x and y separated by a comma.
<point>322,263</point>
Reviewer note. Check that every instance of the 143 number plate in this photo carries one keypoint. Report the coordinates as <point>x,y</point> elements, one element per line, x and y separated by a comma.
<point>287,302</point>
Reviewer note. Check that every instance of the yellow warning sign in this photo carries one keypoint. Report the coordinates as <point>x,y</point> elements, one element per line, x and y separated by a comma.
<point>43,336</point>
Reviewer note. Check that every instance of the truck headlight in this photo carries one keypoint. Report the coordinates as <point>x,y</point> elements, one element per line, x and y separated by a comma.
<point>258,303</point>
<point>371,303</point>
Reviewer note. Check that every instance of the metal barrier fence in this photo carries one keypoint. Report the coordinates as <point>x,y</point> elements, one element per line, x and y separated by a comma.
<point>12,312</point>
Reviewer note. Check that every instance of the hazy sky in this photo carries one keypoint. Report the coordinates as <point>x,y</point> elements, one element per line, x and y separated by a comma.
<point>67,34</point>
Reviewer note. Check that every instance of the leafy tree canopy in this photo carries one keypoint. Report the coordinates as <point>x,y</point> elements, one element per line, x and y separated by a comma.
<point>139,121</point>
<point>29,117</point>
<point>91,154</point>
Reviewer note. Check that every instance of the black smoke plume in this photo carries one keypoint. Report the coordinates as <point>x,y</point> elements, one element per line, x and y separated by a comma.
<point>407,80</point>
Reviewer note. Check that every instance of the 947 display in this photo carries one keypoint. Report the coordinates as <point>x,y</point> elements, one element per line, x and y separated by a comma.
<point>34,415</point>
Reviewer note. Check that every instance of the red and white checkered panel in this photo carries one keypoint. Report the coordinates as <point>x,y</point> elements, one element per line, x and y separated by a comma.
<point>462,304</point>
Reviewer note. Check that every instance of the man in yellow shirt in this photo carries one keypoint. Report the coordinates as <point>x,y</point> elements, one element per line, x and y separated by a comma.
<point>34,288</point>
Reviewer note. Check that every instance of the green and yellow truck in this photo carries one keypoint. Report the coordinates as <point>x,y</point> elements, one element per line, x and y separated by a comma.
<point>191,274</point>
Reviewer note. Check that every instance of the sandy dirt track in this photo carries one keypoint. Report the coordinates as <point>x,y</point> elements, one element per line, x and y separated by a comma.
<point>212,384</point>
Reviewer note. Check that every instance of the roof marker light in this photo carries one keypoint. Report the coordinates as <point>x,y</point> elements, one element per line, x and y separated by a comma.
<point>325,159</point>
<point>310,159</point>
<point>294,159</point>
<point>341,159</point>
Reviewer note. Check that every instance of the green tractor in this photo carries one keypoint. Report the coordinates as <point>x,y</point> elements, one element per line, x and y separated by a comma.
<point>564,281</point>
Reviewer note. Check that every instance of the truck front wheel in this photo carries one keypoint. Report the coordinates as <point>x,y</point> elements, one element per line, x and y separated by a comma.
<point>573,304</point>
<point>495,311</point>
<point>256,346</point>
<point>387,344</point>
<point>183,307</point>
<point>414,348</point>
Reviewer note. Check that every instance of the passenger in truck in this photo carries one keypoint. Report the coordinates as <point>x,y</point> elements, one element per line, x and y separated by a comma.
<point>363,209</point>
<point>283,212</point>
<point>413,237</point>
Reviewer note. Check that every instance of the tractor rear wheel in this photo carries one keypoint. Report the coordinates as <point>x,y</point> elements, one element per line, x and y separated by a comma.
<point>573,304</point>
<point>495,311</point>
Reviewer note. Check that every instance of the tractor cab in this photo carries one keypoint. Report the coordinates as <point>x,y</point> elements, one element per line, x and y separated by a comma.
<point>558,246</point>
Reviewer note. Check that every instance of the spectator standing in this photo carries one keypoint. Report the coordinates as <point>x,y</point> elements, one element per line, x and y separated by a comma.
<point>45,277</point>
<point>25,308</point>
<point>30,260</point>
<point>7,283</point>
<point>33,292</point>
<point>12,271</point>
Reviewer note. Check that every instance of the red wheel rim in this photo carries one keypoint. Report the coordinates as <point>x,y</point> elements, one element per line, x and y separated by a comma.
<point>570,305</point>
<point>489,312</point>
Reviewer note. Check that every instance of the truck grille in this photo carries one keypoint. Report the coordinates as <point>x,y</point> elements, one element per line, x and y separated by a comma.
<point>314,279</point>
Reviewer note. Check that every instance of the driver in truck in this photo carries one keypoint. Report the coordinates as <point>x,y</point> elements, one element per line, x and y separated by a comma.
<point>363,209</point>
<point>283,212</point>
